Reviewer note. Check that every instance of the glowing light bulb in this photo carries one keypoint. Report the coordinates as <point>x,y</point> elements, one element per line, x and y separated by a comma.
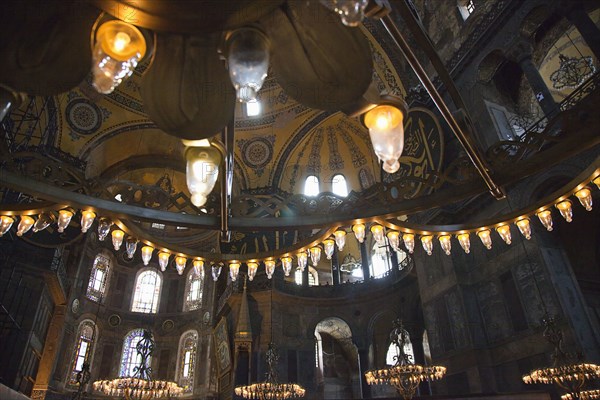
<point>216,271</point>
<point>545,217</point>
<point>248,62</point>
<point>302,260</point>
<point>378,235</point>
<point>486,238</point>
<point>117,238</point>
<point>25,225</point>
<point>328,247</point>
<point>64,218</point>
<point>565,210</point>
<point>340,239</point>
<point>504,232</point>
<point>87,219</point>
<point>351,12</point>
<point>359,232</point>
<point>315,255</point>
<point>5,224</point>
<point>234,269</point>
<point>286,263</point>
<point>427,242</point>
<point>585,198</point>
<point>445,243</point>
<point>394,239</point>
<point>202,170</point>
<point>180,264</point>
<point>465,242</point>
<point>104,225</point>
<point>118,49</point>
<point>524,227</point>
<point>270,267</point>
<point>130,246</point>
<point>163,260</point>
<point>252,268</point>
<point>44,220</point>
<point>198,266</point>
<point>147,254</point>
<point>386,130</point>
<point>409,242</point>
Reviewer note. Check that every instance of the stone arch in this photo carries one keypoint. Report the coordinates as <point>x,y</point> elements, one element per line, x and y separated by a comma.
<point>533,20</point>
<point>489,65</point>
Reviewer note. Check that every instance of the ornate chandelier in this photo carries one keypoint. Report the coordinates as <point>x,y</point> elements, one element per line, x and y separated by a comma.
<point>583,395</point>
<point>572,72</point>
<point>566,371</point>
<point>271,389</point>
<point>404,375</point>
<point>140,386</point>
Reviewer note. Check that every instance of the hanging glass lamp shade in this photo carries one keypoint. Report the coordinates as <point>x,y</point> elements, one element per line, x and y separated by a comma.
<point>248,62</point>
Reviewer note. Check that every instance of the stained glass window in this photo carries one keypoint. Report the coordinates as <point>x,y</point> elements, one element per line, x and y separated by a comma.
<point>130,359</point>
<point>147,291</point>
<point>187,360</point>
<point>96,289</point>
<point>193,291</point>
<point>311,186</point>
<point>339,185</point>
<point>83,348</point>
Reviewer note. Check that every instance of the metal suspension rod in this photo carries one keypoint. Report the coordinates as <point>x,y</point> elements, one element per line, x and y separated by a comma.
<point>463,138</point>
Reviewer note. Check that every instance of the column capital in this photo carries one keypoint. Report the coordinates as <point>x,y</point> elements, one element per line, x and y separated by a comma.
<point>520,49</point>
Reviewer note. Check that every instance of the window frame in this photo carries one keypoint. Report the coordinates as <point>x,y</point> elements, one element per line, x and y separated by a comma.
<point>187,382</point>
<point>191,304</point>
<point>156,303</point>
<point>318,186</point>
<point>130,360</point>
<point>89,351</point>
<point>91,293</point>
<point>333,185</point>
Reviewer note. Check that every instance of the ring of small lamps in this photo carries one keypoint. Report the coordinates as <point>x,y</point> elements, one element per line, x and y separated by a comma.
<point>395,236</point>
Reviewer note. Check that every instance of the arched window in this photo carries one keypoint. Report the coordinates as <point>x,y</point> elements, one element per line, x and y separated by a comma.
<point>147,291</point>
<point>313,276</point>
<point>130,359</point>
<point>84,348</point>
<point>393,351</point>
<point>311,186</point>
<point>193,291</point>
<point>381,260</point>
<point>96,289</point>
<point>339,185</point>
<point>186,360</point>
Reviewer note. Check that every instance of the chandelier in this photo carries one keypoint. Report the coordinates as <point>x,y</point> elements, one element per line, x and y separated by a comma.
<point>404,375</point>
<point>583,395</point>
<point>567,370</point>
<point>572,72</point>
<point>271,388</point>
<point>140,386</point>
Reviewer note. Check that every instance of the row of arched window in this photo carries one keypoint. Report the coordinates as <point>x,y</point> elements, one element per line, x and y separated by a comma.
<point>147,287</point>
<point>339,186</point>
<point>130,360</point>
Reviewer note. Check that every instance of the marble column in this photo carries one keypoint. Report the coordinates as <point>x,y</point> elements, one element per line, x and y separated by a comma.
<point>305,274</point>
<point>335,268</point>
<point>364,259</point>
<point>540,90</point>
<point>586,27</point>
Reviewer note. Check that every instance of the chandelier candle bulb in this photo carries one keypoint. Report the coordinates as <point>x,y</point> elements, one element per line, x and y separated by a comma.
<point>104,225</point>
<point>44,220</point>
<point>565,210</point>
<point>524,227</point>
<point>252,268</point>
<point>486,238</point>
<point>302,260</point>
<point>445,243</point>
<point>118,49</point>
<point>248,62</point>
<point>378,234</point>
<point>585,198</point>
<point>234,269</point>
<point>504,232</point>
<point>180,264</point>
<point>163,260</point>
<point>64,218</point>
<point>464,241</point>
<point>286,264</point>
<point>130,246</point>
<point>270,267</point>
<point>315,255</point>
<point>427,242</point>
<point>216,271</point>
<point>545,217</point>
<point>117,239</point>
<point>359,232</point>
<point>87,219</point>
<point>198,268</point>
<point>409,242</point>
<point>25,225</point>
<point>394,239</point>
<point>340,239</point>
<point>328,247</point>
<point>6,223</point>
<point>147,254</point>
<point>202,169</point>
<point>386,130</point>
